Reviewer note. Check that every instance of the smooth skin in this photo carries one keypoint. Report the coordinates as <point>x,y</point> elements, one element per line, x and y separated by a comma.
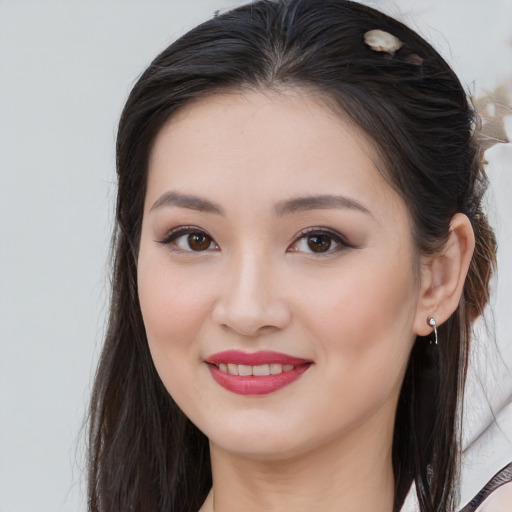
<point>268,226</point>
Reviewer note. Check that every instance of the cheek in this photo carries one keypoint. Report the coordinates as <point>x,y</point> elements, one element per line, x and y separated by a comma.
<point>365,319</point>
<point>364,339</point>
<point>174,304</point>
<point>170,301</point>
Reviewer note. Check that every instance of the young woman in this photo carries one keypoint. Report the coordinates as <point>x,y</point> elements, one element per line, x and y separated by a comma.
<point>299,253</point>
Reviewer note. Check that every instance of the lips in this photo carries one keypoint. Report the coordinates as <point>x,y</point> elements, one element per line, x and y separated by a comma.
<point>255,373</point>
<point>255,358</point>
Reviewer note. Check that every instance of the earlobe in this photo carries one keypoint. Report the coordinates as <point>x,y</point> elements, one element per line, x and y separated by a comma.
<point>443,275</point>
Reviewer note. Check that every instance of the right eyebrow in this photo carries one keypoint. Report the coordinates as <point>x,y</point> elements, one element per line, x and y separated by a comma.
<point>186,201</point>
<point>320,202</point>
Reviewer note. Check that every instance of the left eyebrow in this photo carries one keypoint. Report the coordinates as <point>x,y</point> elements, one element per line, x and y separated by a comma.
<point>187,201</point>
<point>321,202</point>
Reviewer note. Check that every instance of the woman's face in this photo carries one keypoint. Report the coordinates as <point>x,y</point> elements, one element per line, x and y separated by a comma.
<point>276,275</point>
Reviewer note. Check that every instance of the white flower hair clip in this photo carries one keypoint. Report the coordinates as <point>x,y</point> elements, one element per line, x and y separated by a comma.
<point>381,41</point>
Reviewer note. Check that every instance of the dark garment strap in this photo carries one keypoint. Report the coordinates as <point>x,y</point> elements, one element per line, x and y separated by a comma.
<point>501,477</point>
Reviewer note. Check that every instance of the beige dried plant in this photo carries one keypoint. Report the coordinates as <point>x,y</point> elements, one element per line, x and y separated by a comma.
<point>492,108</point>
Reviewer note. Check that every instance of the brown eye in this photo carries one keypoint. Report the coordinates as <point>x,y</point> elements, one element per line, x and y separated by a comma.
<point>199,241</point>
<point>189,239</point>
<point>319,243</point>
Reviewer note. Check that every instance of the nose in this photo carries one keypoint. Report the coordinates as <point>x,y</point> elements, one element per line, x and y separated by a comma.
<point>251,300</point>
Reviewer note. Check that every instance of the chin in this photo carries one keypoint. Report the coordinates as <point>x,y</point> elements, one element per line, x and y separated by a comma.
<point>270,451</point>
<point>263,444</point>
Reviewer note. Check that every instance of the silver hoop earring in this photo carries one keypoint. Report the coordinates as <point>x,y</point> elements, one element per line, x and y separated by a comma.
<point>432,322</point>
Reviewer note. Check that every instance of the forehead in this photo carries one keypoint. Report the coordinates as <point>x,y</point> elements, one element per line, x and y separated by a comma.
<point>286,105</point>
<point>268,143</point>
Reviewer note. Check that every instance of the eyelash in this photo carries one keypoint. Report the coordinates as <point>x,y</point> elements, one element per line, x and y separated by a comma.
<point>175,234</point>
<point>332,236</point>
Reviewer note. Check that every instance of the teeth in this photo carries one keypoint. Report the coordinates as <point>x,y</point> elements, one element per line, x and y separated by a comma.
<point>257,370</point>
<point>261,369</point>
<point>276,368</point>
<point>232,368</point>
<point>244,370</point>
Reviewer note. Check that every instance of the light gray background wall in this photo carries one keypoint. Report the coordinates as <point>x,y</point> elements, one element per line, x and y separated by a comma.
<point>65,70</point>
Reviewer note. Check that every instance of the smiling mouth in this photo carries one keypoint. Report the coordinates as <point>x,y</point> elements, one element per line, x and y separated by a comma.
<point>260,370</point>
<point>255,373</point>
<point>260,379</point>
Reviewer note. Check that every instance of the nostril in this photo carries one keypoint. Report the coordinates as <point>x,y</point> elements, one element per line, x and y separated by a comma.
<point>247,329</point>
<point>250,302</point>
<point>251,322</point>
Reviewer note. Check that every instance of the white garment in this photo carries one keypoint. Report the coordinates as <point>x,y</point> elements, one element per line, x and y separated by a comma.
<point>500,500</point>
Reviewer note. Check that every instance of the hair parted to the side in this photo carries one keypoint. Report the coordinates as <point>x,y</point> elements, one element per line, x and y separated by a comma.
<point>144,453</point>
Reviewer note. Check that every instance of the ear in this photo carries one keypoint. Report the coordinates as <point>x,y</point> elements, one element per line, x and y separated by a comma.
<point>443,275</point>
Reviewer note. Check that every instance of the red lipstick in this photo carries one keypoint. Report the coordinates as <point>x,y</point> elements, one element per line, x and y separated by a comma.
<point>279,364</point>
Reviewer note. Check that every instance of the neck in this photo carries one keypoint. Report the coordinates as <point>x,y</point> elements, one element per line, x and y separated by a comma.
<point>342,475</point>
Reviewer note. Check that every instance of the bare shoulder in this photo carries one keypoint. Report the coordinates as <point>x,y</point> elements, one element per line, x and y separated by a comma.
<point>499,501</point>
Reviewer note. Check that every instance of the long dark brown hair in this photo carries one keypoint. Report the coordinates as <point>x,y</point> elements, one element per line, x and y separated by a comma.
<point>145,455</point>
